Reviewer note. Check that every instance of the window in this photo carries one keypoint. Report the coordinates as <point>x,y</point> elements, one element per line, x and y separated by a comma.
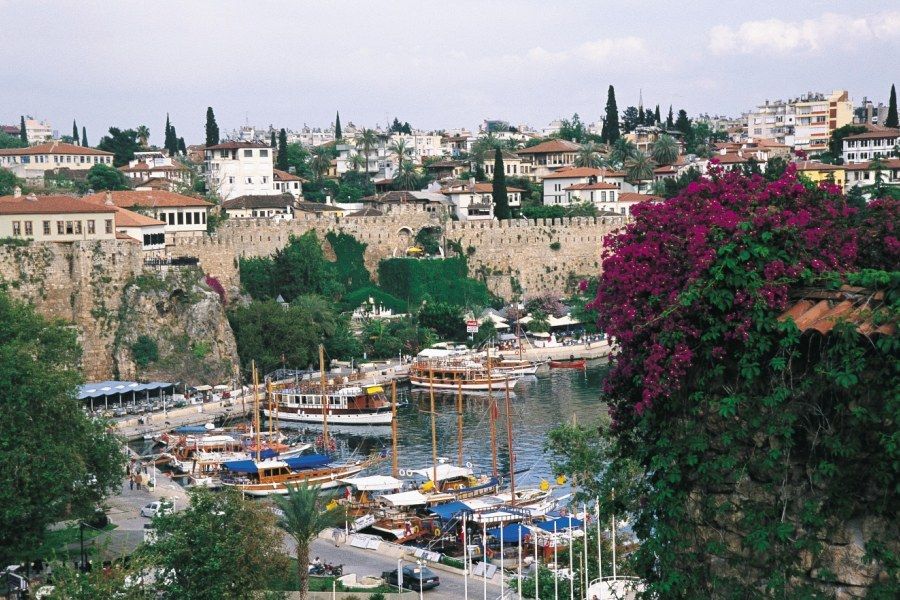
<point>263,153</point>
<point>249,180</point>
<point>46,227</point>
<point>91,227</point>
<point>231,179</point>
<point>70,227</point>
<point>189,218</point>
<point>181,218</point>
<point>78,227</point>
<point>265,179</point>
<point>17,228</point>
<point>61,227</point>
<point>204,217</point>
<point>171,218</point>
<point>248,153</point>
<point>109,225</point>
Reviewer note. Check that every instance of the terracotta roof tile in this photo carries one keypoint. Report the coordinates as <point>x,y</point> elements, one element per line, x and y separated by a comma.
<point>600,185</point>
<point>820,310</point>
<point>635,197</point>
<point>551,146</point>
<point>149,199</point>
<point>54,148</point>
<point>875,133</point>
<point>32,205</point>
<point>258,201</point>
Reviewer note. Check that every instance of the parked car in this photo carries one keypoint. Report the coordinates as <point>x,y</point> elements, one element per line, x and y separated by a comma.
<point>159,507</point>
<point>120,412</point>
<point>412,574</point>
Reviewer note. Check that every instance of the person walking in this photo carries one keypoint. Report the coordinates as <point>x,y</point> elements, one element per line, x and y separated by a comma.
<point>131,482</point>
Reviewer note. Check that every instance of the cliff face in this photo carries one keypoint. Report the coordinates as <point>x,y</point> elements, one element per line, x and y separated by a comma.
<point>103,289</point>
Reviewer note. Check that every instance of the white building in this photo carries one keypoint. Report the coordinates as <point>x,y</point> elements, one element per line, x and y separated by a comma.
<point>260,206</point>
<point>805,123</point>
<point>55,218</point>
<point>150,233</point>
<point>234,169</point>
<point>513,165</point>
<point>183,216</point>
<point>471,201</point>
<point>557,183</point>
<point>876,143</point>
<point>288,183</point>
<point>30,163</point>
<point>155,164</point>
<point>38,131</point>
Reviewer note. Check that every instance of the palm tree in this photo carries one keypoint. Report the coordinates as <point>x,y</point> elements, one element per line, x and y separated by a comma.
<point>367,140</point>
<point>304,514</point>
<point>319,164</point>
<point>357,161</point>
<point>639,168</point>
<point>589,156</point>
<point>401,150</point>
<point>406,177</point>
<point>665,150</point>
<point>143,134</point>
<point>622,151</point>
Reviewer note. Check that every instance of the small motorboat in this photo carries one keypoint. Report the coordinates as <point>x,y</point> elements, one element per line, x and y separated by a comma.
<point>572,363</point>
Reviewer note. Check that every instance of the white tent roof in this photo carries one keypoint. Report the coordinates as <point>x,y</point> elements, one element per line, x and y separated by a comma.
<point>412,498</point>
<point>374,483</point>
<point>562,321</point>
<point>444,471</point>
<point>497,319</point>
<point>526,320</point>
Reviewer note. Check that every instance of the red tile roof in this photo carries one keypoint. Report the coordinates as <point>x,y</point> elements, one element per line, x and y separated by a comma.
<point>600,185</point>
<point>635,197</point>
<point>128,218</point>
<point>551,146</point>
<point>820,310</point>
<point>43,205</point>
<point>729,159</point>
<point>890,163</point>
<point>875,133</point>
<point>149,199</point>
<point>576,173</point>
<point>279,175</point>
<point>54,148</point>
<point>811,165</point>
<point>236,145</point>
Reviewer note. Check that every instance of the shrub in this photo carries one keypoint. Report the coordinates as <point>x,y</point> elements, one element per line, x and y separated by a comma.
<point>144,351</point>
<point>555,246</point>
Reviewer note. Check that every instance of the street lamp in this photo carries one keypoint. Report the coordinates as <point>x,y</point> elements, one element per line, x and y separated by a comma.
<point>421,592</point>
<point>399,577</point>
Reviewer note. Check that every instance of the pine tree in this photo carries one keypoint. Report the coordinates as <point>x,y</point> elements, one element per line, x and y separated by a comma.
<point>656,116</point>
<point>282,163</point>
<point>682,123</point>
<point>212,128</point>
<point>501,199</point>
<point>891,120</point>
<point>610,132</point>
<point>75,138</point>
<point>337,126</point>
<point>23,134</point>
<point>670,122</point>
<point>84,141</point>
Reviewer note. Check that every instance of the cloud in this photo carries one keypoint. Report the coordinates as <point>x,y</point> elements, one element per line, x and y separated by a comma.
<point>810,36</point>
<point>628,51</point>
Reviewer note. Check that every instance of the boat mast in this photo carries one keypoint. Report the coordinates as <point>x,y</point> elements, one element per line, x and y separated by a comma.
<point>493,418</point>
<point>433,425</point>
<point>459,423</point>
<point>324,399</point>
<point>519,336</point>
<point>395,471</point>
<point>512,454</point>
<point>256,406</point>
<point>270,400</point>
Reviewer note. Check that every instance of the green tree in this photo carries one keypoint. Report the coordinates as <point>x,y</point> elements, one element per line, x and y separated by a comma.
<point>670,121</point>
<point>75,132</point>
<point>665,150</point>
<point>639,169</point>
<point>656,116</point>
<point>501,199</point>
<point>406,177</point>
<point>836,143</point>
<point>84,141</point>
<point>589,156</point>
<point>891,119</point>
<point>123,145</point>
<point>401,150</point>
<point>220,546</point>
<point>337,126</point>
<point>319,164</point>
<point>9,141</point>
<point>182,147</point>
<point>9,182</point>
<point>282,162</point>
<point>48,472</point>
<point>143,134</point>
<point>104,177</point>
<point>446,320</point>
<point>305,513</point>
<point>144,351</point>
<point>23,133</point>
<point>170,142</point>
<point>610,132</point>
<point>212,128</point>
<point>300,268</point>
<point>367,140</point>
<point>573,130</point>
<point>683,124</point>
<point>631,118</point>
<point>622,151</point>
<point>272,142</point>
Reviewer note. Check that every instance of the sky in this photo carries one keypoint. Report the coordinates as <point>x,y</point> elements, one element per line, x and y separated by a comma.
<point>437,65</point>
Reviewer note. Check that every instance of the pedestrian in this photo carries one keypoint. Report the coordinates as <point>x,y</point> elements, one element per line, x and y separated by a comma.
<point>137,480</point>
<point>131,482</point>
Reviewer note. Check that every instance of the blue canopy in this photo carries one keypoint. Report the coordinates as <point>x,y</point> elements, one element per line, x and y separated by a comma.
<point>190,429</point>
<point>241,466</point>
<point>510,532</point>
<point>449,511</point>
<point>560,524</point>
<point>267,453</point>
<point>113,388</point>
<point>307,461</point>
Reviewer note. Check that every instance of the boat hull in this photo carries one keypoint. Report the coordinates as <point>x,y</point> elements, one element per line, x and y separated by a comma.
<point>324,481</point>
<point>375,418</point>
<point>471,386</point>
<point>568,364</point>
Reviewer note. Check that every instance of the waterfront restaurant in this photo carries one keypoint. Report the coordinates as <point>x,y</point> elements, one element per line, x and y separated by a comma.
<point>122,393</point>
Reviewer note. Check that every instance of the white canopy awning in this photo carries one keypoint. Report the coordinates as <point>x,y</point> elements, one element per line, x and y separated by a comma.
<point>202,388</point>
<point>562,321</point>
<point>526,320</point>
<point>374,483</point>
<point>444,471</point>
<point>412,498</point>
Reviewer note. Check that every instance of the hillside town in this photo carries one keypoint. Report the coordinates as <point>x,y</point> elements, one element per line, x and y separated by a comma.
<point>336,301</point>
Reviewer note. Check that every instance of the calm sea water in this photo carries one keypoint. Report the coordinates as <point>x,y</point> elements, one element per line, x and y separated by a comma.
<point>538,404</point>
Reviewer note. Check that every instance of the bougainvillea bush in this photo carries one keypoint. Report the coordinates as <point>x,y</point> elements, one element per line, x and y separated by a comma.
<point>768,459</point>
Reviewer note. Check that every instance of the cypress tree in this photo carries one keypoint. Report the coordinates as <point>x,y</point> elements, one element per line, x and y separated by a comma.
<point>656,116</point>
<point>610,132</point>
<point>670,122</point>
<point>282,163</point>
<point>84,141</point>
<point>272,142</point>
<point>75,138</point>
<point>22,133</point>
<point>337,126</point>
<point>682,123</point>
<point>212,128</point>
<point>891,120</point>
<point>172,146</point>
<point>501,199</point>
<point>181,146</point>
<point>167,140</point>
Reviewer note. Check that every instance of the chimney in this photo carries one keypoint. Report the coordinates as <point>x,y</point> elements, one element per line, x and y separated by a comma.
<point>31,198</point>
<point>17,192</point>
<point>108,201</point>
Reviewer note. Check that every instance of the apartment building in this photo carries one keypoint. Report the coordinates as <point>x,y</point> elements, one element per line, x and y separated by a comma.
<point>804,123</point>
<point>183,216</point>
<point>513,165</point>
<point>550,156</point>
<point>234,169</point>
<point>55,218</point>
<point>878,142</point>
<point>30,163</point>
<point>556,184</point>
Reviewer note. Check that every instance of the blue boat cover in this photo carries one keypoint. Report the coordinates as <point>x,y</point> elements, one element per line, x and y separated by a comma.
<point>240,466</point>
<point>266,453</point>
<point>307,461</point>
<point>447,512</point>
<point>561,524</point>
<point>190,429</point>
<point>510,533</point>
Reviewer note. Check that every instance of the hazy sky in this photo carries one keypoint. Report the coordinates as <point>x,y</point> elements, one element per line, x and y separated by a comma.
<point>434,64</point>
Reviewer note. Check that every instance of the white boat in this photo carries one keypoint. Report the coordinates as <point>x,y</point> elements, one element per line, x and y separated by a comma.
<point>453,375</point>
<point>273,477</point>
<point>346,405</point>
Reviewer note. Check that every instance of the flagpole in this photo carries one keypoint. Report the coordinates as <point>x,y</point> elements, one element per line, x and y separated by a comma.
<point>537,566</point>
<point>555,566</point>
<point>599,553</point>
<point>501,559</point>
<point>571,563</point>
<point>484,556</point>
<point>519,563</point>
<point>465,558</point>
<point>584,546</point>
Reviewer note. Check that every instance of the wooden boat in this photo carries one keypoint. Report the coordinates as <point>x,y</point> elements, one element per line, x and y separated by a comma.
<point>578,363</point>
<point>345,404</point>
<point>465,374</point>
<point>517,367</point>
<point>273,477</point>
